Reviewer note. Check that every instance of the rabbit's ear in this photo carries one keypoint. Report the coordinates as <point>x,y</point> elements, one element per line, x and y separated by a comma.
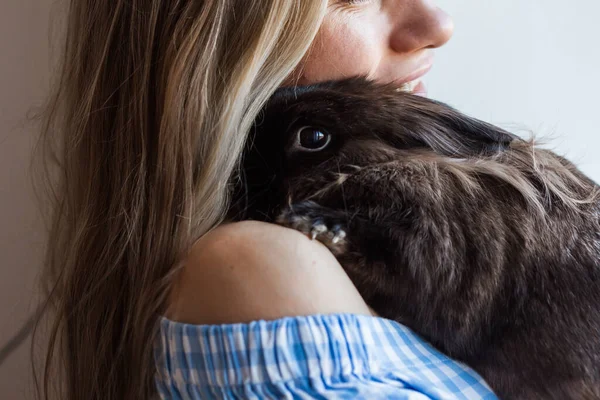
<point>478,137</point>
<point>447,131</point>
<point>451,133</point>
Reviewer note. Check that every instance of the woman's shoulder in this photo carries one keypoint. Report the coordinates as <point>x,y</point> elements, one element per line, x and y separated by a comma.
<point>249,270</point>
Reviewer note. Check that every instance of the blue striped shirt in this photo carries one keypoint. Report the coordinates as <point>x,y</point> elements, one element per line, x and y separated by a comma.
<point>340,356</point>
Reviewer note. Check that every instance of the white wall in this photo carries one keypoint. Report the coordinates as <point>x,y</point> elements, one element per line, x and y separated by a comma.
<point>529,64</point>
<point>23,82</point>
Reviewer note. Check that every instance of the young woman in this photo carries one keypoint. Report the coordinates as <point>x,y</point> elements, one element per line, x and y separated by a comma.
<point>154,292</point>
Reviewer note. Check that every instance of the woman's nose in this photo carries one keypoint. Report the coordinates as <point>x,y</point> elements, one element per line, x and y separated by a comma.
<point>419,24</point>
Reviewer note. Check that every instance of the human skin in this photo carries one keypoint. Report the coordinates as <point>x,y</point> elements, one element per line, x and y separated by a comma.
<point>249,270</point>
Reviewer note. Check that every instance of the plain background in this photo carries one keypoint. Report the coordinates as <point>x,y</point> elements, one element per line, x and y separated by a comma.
<point>529,64</point>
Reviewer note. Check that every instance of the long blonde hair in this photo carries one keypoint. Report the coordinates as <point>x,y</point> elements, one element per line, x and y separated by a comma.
<point>141,137</point>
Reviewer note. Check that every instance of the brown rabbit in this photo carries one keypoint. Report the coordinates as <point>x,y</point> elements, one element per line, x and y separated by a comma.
<point>480,242</point>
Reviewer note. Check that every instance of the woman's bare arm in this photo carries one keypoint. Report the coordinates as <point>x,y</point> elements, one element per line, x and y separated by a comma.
<point>251,270</point>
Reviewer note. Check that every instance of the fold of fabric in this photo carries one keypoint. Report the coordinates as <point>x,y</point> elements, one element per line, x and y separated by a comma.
<point>312,357</point>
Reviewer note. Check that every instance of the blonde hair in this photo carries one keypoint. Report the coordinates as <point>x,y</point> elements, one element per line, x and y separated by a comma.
<point>141,138</point>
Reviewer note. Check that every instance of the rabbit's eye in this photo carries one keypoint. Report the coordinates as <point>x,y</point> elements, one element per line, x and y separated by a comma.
<point>313,139</point>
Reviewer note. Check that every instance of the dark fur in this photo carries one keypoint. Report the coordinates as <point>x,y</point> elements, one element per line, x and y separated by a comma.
<point>482,243</point>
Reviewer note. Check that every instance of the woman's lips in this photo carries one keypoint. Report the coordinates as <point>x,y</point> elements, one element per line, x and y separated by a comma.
<point>416,87</point>
<point>420,89</point>
<point>415,76</point>
<point>413,83</point>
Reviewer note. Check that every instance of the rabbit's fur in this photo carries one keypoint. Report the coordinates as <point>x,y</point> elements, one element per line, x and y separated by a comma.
<point>482,243</point>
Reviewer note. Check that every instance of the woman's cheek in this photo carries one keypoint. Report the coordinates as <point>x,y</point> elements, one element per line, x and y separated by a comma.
<point>343,49</point>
